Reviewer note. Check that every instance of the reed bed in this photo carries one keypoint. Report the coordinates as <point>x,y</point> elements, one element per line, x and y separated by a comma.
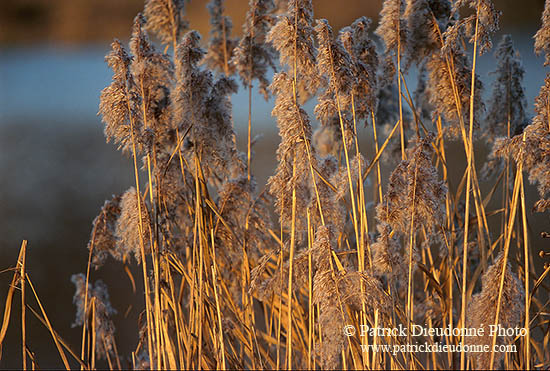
<point>316,269</point>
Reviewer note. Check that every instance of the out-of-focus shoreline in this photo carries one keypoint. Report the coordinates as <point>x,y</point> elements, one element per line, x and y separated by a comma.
<point>70,22</point>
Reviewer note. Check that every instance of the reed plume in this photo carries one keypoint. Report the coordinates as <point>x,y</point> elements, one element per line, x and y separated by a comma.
<point>327,140</point>
<point>131,232</point>
<point>153,75</point>
<point>478,27</point>
<point>243,220</point>
<point>482,308</point>
<point>364,57</point>
<point>293,168</point>
<point>292,37</point>
<point>447,75</point>
<point>393,27</point>
<point>119,102</point>
<point>414,188</point>
<point>542,37</point>
<point>201,107</point>
<point>253,55</point>
<point>224,287</point>
<point>333,211</point>
<point>165,19</point>
<point>221,46</point>
<point>424,20</point>
<point>506,115</point>
<point>334,64</point>
<point>386,255</point>
<point>531,148</point>
<point>103,237</point>
<point>94,310</point>
<point>332,291</point>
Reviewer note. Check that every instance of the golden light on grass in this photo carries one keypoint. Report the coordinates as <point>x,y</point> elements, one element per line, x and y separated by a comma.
<point>224,290</point>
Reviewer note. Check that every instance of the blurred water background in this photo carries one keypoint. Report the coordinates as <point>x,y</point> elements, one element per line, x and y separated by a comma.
<point>56,169</point>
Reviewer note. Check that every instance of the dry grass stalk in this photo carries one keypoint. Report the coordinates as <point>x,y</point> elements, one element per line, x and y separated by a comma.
<point>221,288</point>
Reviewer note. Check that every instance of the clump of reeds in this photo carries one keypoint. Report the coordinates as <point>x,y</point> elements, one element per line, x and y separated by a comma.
<point>415,196</point>
<point>499,284</point>
<point>227,287</point>
<point>94,310</point>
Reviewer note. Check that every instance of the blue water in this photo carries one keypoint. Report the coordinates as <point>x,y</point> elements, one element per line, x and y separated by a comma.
<point>64,83</point>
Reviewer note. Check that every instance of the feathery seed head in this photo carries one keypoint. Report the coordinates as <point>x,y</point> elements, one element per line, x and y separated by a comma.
<point>414,189</point>
<point>103,239</point>
<point>98,299</point>
<point>119,103</point>
<point>479,26</point>
<point>386,255</point>
<point>446,75</point>
<point>482,309</point>
<point>253,55</point>
<point>165,19</point>
<point>295,133</point>
<point>507,110</point>
<point>425,20</point>
<point>393,28</point>
<point>221,46</point>
<point>542,37</point>
<point>292,37</point>
<point>532,146</point>
<point>362,50</point>
<point>132,228</point>
<point>327,140</point>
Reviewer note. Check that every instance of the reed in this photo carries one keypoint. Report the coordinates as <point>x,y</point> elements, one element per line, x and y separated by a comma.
<point>239,275</point>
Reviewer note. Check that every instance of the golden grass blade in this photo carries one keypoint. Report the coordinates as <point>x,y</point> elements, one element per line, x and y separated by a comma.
<point>23,305</point>
<point>527,339</point>
<point>507,242</point>
<point>379,153</point>
<point>11,291</point>
<point>49,326</point>
<point>94,333</point>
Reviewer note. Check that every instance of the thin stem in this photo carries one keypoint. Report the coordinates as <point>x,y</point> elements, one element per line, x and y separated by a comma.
<point>468,185</point>
<point>401,129</point>
<point>291,263</point>
<point>527,339</point>
<point>22,263</point>
<point>507,242</point>
<point>410,278</point>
